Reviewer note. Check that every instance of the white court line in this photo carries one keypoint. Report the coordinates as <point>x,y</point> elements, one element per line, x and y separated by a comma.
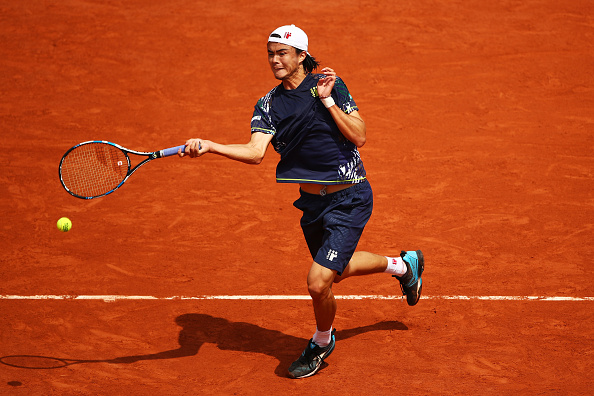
<point>110,298</point>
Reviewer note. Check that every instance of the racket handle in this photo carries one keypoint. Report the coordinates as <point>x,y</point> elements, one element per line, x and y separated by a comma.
<point>172,150</point>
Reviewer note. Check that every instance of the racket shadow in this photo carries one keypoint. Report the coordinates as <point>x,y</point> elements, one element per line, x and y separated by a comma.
<point>199,329</point>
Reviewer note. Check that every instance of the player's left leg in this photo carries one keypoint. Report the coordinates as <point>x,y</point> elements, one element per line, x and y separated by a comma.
<point>364,263</point>
<point>407,268</point>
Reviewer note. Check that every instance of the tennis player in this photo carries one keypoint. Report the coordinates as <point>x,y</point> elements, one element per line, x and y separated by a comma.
<point>314,124</point>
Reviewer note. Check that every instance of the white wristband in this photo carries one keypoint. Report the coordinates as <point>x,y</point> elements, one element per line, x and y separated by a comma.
<point>328,102</point>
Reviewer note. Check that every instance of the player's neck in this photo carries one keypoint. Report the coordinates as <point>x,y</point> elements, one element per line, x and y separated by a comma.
<point>293,80</point>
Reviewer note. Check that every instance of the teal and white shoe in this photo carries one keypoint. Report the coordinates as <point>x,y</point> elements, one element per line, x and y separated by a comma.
<point>411,283</point>
<point>311,359</point>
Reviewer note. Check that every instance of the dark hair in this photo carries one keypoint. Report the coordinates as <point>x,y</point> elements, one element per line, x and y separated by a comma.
<point>310,63</point>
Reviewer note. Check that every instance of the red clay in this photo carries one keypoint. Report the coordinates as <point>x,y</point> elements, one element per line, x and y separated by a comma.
<point>480,141</point>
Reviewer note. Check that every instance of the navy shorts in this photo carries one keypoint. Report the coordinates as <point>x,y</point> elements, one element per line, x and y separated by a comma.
<point>332,224</point>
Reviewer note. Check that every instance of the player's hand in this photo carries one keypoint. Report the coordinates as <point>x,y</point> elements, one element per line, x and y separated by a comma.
<point>326,83</point>
<point>194,148</point>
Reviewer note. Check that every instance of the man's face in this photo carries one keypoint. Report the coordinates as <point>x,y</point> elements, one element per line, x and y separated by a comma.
<point>284,61</point>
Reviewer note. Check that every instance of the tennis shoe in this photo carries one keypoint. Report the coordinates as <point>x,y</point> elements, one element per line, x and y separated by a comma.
<point>411,283</point>
<point>311,359</point>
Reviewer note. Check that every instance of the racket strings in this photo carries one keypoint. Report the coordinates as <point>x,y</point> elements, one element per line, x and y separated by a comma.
<point>94,169</point>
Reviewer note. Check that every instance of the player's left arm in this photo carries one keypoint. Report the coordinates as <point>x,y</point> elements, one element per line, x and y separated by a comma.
<point>351,125</point>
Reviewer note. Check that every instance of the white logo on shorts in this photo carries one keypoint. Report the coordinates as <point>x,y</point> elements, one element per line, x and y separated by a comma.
<point>332,254</point>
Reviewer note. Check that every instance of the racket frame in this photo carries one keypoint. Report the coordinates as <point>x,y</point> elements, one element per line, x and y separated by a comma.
<point>151,156</point>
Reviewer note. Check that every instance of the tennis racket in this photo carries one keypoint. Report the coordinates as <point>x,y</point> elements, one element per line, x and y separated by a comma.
<point>97,168</point>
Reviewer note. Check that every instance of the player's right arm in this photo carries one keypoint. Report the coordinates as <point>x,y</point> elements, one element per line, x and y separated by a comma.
<point>250,153</point>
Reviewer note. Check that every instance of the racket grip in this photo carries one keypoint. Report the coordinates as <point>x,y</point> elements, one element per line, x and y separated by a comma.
<point>172,150</point>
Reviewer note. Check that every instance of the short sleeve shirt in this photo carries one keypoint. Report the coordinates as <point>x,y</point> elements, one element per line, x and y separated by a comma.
<point>311,147</point>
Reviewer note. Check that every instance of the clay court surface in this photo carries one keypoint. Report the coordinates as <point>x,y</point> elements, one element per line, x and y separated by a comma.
<point>480,152</point>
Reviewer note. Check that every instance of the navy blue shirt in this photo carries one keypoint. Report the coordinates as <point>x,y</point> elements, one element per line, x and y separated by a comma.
<point>312,149</point>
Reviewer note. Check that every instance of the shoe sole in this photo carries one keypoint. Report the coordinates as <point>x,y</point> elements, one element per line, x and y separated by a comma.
<point>318,365</point>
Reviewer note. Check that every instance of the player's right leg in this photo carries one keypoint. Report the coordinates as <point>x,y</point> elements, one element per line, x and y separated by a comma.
<point>311,359</point>
<point>319,282</point>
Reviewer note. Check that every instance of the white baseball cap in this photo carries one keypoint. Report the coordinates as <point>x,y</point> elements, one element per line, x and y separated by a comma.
<point>290,35</point>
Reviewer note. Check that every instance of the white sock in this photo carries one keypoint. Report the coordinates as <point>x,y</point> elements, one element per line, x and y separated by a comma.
<point>322,338</point>
<point>396,266</point>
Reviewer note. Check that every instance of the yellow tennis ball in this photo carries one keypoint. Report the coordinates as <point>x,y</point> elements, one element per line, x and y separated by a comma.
<point>64,224</point>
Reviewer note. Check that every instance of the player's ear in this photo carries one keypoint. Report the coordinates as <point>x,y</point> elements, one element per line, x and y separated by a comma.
<point>302,56</point>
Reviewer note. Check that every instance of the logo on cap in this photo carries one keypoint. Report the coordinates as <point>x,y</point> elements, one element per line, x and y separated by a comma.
<point>287,35</point>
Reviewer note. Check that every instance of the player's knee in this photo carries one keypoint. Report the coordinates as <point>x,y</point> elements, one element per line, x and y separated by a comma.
<point>318,289</point>
<point>319,281</point>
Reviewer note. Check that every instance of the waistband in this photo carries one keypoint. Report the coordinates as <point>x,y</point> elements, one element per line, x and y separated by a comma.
<point>321,190</point>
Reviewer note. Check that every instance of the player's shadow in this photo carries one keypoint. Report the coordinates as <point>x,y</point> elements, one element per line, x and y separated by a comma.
<point>198,329</point>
